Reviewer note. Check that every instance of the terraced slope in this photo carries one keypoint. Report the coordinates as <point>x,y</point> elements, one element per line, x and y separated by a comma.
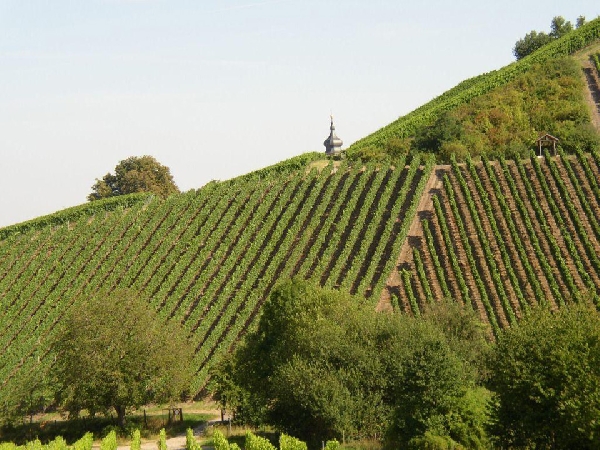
<point>207,258</point>
<point>502,236</point>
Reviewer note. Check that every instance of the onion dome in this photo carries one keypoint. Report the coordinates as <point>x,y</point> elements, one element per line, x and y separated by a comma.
<point>333,144</point>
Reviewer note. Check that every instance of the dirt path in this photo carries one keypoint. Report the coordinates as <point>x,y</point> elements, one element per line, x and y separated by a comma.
<point>592,93</point>
<point>415,233</point>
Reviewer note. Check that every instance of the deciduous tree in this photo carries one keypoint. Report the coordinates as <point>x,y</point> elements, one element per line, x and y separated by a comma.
<point>545,372</point>
<point>115,352</point>
<point>135,174</point>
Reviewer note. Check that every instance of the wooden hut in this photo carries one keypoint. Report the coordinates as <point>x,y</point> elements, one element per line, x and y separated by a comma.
<point>547,140</point>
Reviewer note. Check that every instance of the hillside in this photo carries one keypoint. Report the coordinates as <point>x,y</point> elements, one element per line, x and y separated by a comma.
<point>498,236</point>
<point>495,235</point>
<point>209,258</point>
<point>397,137</point>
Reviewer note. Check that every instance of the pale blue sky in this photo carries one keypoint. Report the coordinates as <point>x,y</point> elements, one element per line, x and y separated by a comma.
<point>217,88</point>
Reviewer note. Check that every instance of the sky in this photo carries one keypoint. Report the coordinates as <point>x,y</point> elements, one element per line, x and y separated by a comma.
<point>214,89</point>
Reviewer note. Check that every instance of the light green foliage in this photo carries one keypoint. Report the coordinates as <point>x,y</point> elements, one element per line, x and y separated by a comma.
<point>115,352</point>
<point>220,441</point>
<point>86,442</point>
<point>332,445</point>
<point>136,440</point>
<point>57,444</point>
<point>545,373</point>
<point>290,443</point>
<point>109,442</point>
<point>190,440</point>
<point>254,442</point>
<point>9,446</point>
<point>162,440</point>
<point>37,445</point>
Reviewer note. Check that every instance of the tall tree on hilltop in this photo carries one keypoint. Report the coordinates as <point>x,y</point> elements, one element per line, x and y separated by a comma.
<point>135,174</point>
<point>534,39</point>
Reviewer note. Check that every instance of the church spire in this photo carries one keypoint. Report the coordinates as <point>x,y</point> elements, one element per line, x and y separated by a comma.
<point>333,144</point>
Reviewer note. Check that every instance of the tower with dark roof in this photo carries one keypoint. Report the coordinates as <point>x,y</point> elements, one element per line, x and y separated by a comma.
<point>333,144</point>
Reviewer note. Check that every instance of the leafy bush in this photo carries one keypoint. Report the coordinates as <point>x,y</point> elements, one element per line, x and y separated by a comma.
<point>220,441</point>
<point>57,444</point>
<point>290,443</point>
<point>190,440</point>
<point>332,445</point>
<point>110,441</point>
<point>8,446</point>
<point>254,442</point>
<point>162,440</point>
<point>136,440</point>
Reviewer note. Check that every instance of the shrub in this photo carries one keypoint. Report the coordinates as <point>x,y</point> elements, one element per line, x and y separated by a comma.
<point>290,443</point>
<point>219,441</point>
<point>254,442</point>
<point>162,440</point>
<point>136,440</point>
<point>110,441</point>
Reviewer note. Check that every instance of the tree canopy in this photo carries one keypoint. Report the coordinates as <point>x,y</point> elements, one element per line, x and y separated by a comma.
<point>536,39</point>
<point>322,365</point>
<point>135,174</point>
<point>115,352</point>
<point>545,372</point>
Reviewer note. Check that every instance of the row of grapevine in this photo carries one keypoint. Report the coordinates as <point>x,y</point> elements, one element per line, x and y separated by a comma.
<point>509,234</point>
<point>596,61</point>
<point>500,237</point>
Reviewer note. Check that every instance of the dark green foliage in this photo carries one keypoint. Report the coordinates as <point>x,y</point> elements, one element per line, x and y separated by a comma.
<point>530,43</point>
<point>115,352</point>
<point>321,366</point>
<point>545,372</point>
<point>311,361</point>
<point>560,26</point>
<point>535,40</point>
<point>135,174</point>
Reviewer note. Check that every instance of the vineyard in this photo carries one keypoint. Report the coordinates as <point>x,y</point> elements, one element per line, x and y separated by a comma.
<point>208,258</point>
<point>495,236</point>
<point>501,236</point>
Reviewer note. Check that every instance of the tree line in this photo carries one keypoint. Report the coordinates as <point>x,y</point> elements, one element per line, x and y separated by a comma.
<point>534,40</point>
<point>321,365</point>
